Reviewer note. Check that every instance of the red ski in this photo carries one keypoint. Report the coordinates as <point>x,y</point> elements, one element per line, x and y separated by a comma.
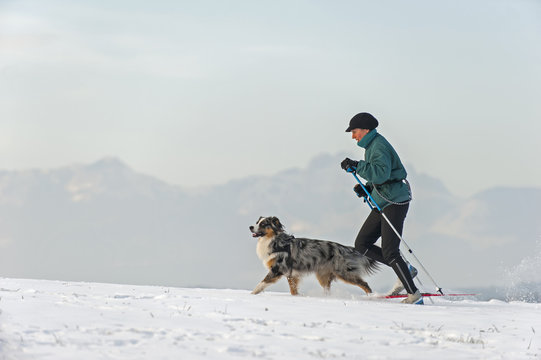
<point>424,295</point>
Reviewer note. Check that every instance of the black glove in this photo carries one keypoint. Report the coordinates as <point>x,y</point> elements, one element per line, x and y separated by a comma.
<point>360,192</point>
<point>349,165</point>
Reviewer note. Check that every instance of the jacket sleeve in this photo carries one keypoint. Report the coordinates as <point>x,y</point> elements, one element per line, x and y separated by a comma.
<point>377,169</point>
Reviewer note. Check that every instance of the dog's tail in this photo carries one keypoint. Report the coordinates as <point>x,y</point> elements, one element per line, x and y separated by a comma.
<point>373,265</point>
<point>355,261</point>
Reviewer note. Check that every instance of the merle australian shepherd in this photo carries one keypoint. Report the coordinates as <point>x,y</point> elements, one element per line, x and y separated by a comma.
<point>286,255</point>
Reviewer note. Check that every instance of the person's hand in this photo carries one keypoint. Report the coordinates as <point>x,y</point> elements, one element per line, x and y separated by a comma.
<point>360,192</point>
<point>349,165</point>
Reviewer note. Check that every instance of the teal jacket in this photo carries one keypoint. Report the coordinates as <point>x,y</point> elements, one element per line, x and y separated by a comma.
<point>381,164</point>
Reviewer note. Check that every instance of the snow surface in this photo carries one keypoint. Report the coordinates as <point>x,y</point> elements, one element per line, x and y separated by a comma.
<point>69,320</point>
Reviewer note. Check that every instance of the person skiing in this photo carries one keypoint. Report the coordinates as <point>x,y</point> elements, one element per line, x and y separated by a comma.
<point>385,176</point>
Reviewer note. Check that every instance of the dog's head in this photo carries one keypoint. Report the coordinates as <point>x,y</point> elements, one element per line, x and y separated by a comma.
<point>267,226</point>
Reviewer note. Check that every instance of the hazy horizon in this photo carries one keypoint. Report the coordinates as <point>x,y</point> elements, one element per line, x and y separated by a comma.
<point>201,187</point>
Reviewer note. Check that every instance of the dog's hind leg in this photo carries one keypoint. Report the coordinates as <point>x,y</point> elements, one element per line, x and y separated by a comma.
<point>293,282</point>
<point>271,278</point>
<point>355,280</point>
<point>325,281</point>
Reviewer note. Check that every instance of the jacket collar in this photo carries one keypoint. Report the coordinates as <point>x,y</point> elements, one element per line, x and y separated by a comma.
<point>367,139</point>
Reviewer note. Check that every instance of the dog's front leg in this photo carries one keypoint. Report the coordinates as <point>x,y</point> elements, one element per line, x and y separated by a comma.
<point>293,282</point>
<point>271,278</point>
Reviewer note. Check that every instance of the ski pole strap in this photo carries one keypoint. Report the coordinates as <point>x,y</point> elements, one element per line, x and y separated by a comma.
<point>391,182</point>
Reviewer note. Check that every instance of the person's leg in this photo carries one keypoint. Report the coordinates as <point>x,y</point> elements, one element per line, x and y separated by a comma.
<point>402,271</point>
<point>368,235</point>
<point>390,244</point>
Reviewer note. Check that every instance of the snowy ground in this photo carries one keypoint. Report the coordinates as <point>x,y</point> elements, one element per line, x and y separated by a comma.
<point>68,320</point>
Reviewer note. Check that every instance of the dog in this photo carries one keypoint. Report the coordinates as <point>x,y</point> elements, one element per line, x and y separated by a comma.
<point>286,255</point>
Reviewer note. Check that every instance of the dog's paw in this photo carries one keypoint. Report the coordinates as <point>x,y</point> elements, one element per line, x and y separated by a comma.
<point>259,288</point>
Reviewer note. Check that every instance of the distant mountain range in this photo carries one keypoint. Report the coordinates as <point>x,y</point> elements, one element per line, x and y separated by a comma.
<point>106,222</point>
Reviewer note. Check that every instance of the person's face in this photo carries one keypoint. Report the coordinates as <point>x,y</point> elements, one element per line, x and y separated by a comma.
<point>358,134</point>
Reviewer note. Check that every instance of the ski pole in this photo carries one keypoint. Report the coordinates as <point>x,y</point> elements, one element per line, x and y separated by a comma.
<point>372,203</point>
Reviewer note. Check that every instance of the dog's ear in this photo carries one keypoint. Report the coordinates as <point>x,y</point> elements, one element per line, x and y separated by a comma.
<point>276,224</point>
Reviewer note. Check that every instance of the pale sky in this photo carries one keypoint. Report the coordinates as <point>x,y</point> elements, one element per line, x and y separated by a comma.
<point>201,92</point>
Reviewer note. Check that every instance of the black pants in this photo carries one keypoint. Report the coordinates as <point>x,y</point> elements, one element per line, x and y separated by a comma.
<point>374,227</point>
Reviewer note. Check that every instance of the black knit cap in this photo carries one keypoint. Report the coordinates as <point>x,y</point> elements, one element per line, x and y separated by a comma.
<point>362,121</point>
